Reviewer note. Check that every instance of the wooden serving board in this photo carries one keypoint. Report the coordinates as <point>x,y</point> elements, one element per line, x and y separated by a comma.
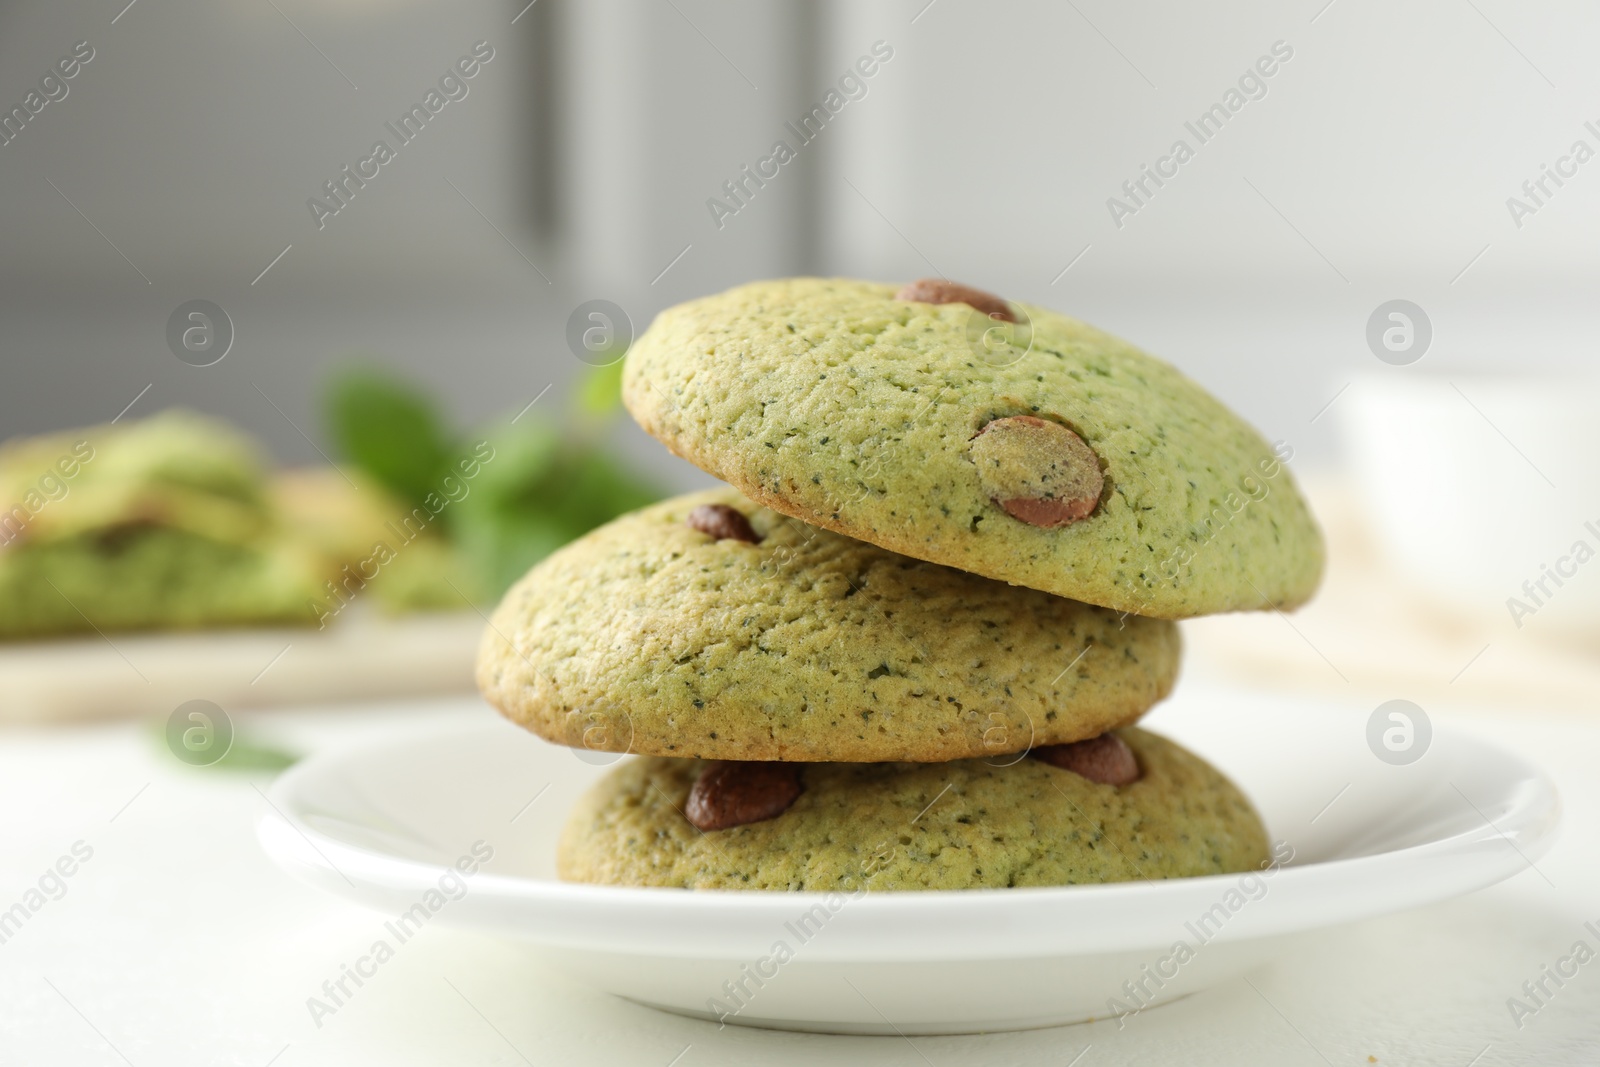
<point>364,656</point>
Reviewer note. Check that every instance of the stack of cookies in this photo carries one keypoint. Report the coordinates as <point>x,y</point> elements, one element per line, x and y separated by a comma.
<point>907,647</point>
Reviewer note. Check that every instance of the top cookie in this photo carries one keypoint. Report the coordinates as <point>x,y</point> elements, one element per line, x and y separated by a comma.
<point>1039,451</point>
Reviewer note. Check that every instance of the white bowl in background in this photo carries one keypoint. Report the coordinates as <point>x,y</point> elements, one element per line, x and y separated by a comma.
<point>1479,488</point>
<point>383,826</point>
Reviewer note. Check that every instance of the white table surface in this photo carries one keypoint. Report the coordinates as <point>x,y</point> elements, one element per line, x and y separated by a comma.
<point>179,943</point>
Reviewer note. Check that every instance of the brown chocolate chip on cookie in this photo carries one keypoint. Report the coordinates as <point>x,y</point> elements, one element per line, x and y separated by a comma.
<point>939,291</point>
<point>723,523</point>
<point>1106,759</point>
<point>1037,471</point>
<point>733,793</point>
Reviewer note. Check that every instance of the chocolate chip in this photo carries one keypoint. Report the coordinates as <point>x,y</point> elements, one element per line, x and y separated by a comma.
<point>939,291</point>
<point>723,523</point>
<point>734,793</point>
<point>1037,471</point>
<point>1106,759</point>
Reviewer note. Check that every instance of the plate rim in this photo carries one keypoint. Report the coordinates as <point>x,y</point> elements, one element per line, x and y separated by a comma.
<point>712,923</point>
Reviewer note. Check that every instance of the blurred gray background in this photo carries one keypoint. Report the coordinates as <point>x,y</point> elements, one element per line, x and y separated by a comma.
<point>1377,165</point>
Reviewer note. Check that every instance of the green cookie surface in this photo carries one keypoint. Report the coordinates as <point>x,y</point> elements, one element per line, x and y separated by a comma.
<point>152,578</point>
<point>970,824</point>
<point>649,636</point>
<point>159,522</point>
<point>829,400</point>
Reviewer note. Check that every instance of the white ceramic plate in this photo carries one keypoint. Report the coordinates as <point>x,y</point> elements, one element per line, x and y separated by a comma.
<point>387,826</point>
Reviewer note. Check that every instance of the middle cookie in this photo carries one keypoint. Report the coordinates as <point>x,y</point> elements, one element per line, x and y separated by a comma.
<point>709,627</point>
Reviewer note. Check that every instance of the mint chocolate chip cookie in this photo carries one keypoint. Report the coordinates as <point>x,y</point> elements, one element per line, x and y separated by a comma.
<point>969,824</point>
<point>997,437</point>
<point>709,627</point>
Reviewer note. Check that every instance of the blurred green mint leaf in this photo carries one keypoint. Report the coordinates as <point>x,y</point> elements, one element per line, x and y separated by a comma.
<point>389,430</point>
<point>244,753</point>
<point>600,391</point>
<point>549,492</point>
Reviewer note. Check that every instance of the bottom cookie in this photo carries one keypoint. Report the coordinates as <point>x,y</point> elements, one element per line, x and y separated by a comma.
<point>970,824</point>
